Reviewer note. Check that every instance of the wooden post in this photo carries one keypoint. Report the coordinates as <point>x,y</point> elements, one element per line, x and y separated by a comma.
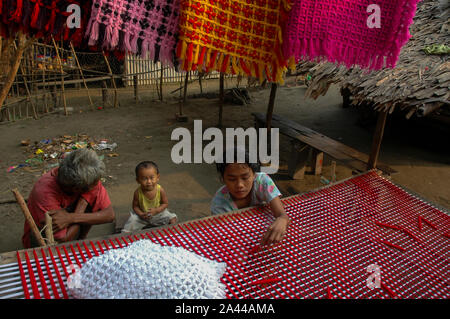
<point>136,89</point>
<point>333,171</point>
<point>185,87</point>
<point>81,73</point>
<point>273,93</point>
<point>377,138</point>
<point>200,75</point>
<point>161,78</point>
<point>298,160</point>
<point>317,161</point>
<point>29,219</point>
<point>104,93</point>
<point>221,97</point>
<point>62,77</point>
<point>180,116</point>
<point>112,80</point>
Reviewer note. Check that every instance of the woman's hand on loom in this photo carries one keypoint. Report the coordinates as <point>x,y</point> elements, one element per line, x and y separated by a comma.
<point>61,219</point>
<point>276,231</point>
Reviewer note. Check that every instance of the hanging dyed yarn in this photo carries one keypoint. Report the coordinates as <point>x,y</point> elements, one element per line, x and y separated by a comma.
<point>136,26</point>
<point>144,270</point>
<point>233,37</point>
<point>41,18</point>
<point>353,32</point>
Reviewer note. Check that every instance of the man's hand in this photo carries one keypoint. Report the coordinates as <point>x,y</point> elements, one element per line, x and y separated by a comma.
<point>61,219</point>
<point>276,231</point>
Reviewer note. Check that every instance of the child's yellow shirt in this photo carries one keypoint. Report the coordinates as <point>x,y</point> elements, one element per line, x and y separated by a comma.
<point>144,203</point>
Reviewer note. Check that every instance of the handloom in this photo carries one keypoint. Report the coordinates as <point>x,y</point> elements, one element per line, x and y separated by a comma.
<point>233,37</point>
<point>136,26</point>
<point>338,236</point>
<point>41,18</point>
<point>345,32</point>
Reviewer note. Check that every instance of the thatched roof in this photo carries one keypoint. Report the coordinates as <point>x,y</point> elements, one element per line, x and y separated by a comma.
<point>418,85</point>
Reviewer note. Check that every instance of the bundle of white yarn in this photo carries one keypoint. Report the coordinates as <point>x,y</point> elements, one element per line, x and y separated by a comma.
<point>144,270</point>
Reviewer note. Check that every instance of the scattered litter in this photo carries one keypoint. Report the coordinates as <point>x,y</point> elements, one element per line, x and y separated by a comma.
<point>47,153</point>
<point>13,168</point>
<point>104,146</point>
<point>113,155</point>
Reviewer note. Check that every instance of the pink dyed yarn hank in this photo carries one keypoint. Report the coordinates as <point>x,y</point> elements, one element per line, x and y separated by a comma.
<point>136,26</point>
<point>338,31</point>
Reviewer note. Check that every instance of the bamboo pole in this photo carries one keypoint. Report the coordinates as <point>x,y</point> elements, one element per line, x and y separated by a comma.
<point>29,219</point>
<point>25,82</point>
<point>273,92</point>
<point>44,80</point>
<point>136,89</point>
<point>377,138</point>
<point>112,79</point>
<point>62,76</point>
<point>185,87</point>
<point>82,75</point>
<point>221,97</point>
<point>49,230</point>
<point>14,66</point>
<point>161,83</point>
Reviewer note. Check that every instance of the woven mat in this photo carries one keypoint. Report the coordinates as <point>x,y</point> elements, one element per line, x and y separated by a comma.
<point>233,37</point>
<point>340,237</point>
<point>347,31</point>
<point>139,27</point>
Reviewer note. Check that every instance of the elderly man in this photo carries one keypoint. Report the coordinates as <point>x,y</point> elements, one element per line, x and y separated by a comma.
<point>74,197</point>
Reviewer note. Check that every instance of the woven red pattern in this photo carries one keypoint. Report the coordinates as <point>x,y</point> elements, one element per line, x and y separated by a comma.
<point>234,37</point>
<point>42,18</point>
<point>336,233</point>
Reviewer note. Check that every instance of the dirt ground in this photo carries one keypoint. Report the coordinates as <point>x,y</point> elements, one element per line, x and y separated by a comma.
<point>143,132</point>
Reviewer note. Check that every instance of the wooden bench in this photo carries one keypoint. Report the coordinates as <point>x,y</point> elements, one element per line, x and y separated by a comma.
<point>305,141</point>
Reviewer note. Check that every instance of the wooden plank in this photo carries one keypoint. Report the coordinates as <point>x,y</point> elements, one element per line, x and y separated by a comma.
<point>341,152</point>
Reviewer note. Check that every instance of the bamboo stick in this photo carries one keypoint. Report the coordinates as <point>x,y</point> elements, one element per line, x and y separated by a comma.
<point>221,97</point>
<point>82,75</point>
<point>62,77</point>
<point>112,79</point>
<point>25,82</point>
<point>49,230</point>
<point>161,82</point>
<point>29,219</point>
<point>14,67</point>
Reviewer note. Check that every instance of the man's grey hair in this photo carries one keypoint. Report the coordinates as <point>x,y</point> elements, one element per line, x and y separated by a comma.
<point>80,170</point>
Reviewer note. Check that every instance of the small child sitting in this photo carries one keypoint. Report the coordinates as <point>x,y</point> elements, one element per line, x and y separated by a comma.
<point>149,201</point>
<point>245,186</point>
